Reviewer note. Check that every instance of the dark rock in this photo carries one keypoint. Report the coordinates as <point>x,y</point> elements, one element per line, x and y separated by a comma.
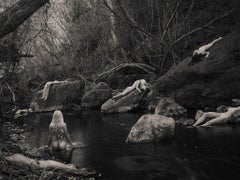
<point>235,102</point>
<point>185,121</point>
<point>131,101</point>
<point>168,107</point>
<point>97,96</point>
<point>222,108</point>
<point>153,103</point>
<point>151,127</point>
<point>59,95</point>
<point>211,82</point>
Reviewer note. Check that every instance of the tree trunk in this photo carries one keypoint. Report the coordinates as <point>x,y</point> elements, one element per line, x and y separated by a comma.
<point>17,14</point>
<point>113,25</point>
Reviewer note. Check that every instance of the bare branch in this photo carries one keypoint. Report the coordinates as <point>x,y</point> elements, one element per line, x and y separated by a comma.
<point>202,27</point>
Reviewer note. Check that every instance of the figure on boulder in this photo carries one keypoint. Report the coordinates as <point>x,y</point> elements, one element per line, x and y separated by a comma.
<point>47,87</point>
<point>202,50</point>
<point>139,85</point>
<point>212,118</point>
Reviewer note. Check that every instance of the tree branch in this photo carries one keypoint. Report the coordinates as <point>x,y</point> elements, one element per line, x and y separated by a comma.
<point>17,14</point>
<point>202,27</point>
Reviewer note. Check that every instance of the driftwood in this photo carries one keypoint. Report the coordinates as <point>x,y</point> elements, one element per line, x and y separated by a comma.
<point>20,159</point>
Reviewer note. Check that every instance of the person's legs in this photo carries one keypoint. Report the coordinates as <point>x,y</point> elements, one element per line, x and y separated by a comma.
<point>218,120</point>
<point>205,116</point>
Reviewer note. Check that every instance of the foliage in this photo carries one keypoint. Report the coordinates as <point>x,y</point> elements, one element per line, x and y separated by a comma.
<point>68,39</point>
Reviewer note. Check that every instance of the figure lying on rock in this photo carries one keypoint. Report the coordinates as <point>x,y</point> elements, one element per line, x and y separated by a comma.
<point>203,49</point>
<point>140,85</point>
<point>201,52</point>
<point>212,118</point>
<point>47,87</point>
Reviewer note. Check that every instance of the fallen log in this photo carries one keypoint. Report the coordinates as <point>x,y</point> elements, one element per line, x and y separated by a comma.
<point>20,159</point>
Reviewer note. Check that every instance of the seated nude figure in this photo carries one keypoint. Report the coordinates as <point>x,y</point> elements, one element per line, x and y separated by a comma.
<point>203,49</point>
<point>59,139</point>
<point>212,118</point>
<point>139,85</point>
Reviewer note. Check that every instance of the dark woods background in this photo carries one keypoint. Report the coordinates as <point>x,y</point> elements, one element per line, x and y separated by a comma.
<point>68,39</point>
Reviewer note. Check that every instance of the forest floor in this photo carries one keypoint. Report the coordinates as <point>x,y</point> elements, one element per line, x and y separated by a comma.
<point>11,138</point>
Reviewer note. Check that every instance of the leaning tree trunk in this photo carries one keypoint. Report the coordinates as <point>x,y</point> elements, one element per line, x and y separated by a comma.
<point>113,24</point>
<point>17,14</point>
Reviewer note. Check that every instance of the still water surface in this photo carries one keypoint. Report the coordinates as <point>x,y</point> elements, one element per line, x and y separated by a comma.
<point>194,153</point>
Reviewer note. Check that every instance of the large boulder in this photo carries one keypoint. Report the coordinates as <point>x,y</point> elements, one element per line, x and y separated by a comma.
<point>60,95</point>
<point>123,75</point>
<point>131,101</point>
<point>168,107</point>
<point>151,127</point>
<point>97,96</point>
<point>212,81</point>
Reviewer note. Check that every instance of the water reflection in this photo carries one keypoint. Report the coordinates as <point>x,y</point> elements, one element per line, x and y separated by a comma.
<point>194,153</point>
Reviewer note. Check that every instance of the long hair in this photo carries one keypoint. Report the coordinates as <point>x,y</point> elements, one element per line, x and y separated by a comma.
<point>57,123</point>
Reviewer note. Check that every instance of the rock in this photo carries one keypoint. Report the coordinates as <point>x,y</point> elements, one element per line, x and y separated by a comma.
<point>185,121</point>
<point>127,103</point>
<point>211,82</point>
<point>60,95</point>
<point>97,96</point>
<point>168,107</point>
<point>151,127</point>
<point>222,108</point>
<point>22,112</point>
<point>199,113</point>
<point>123,75</point>
<point>235,102</point>
<point>153,103</point>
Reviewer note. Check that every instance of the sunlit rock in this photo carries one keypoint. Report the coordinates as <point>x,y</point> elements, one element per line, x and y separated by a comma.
<point>131,101</point>
<point>151,127</point>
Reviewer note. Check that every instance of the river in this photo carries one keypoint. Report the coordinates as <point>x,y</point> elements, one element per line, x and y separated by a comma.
<point>193,153</point>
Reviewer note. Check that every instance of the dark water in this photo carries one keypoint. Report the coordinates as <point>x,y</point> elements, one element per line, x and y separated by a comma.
<point>194,153</point>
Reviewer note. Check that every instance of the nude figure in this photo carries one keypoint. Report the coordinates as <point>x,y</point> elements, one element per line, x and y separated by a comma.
<point>59,139</point>
<point>211,118</point>
<point>47,87</point>
<point>139,85</point>
<point>202,49</point>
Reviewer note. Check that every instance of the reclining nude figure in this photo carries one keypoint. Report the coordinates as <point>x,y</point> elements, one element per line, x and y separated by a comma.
<point>203,49</point>
<point>139,85</point>
<point>47,87</point>
<point>212,118</point>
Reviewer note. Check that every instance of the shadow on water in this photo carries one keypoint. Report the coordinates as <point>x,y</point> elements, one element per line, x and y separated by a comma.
<point>194,153</point>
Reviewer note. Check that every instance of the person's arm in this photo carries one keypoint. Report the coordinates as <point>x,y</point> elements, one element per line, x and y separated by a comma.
<point>137,85</point>
<point>67,135</point>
